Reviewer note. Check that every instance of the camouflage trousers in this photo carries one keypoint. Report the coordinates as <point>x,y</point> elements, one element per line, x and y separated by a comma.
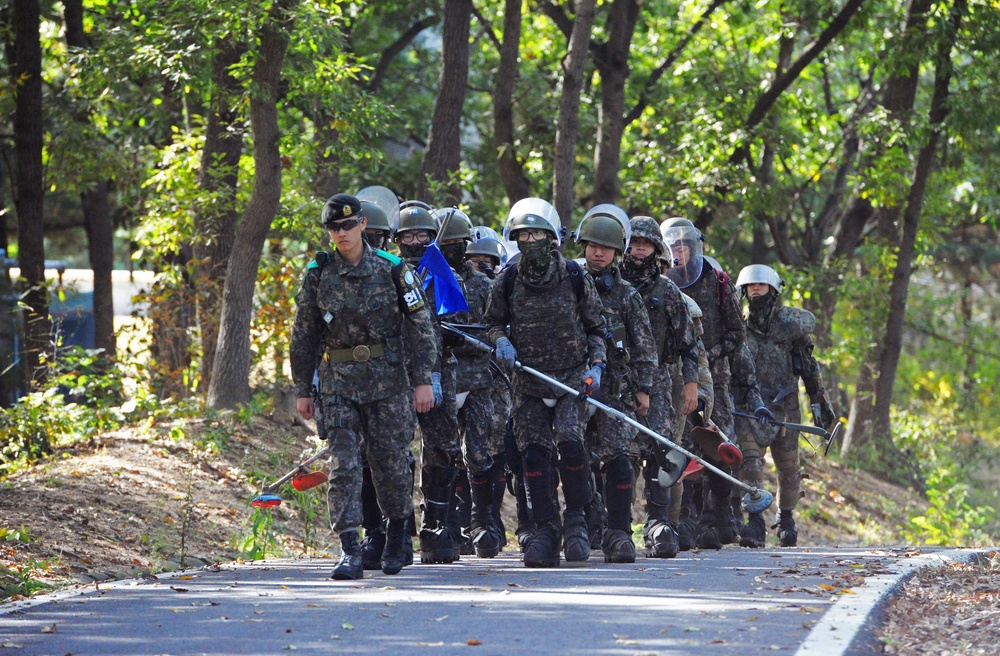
<point>502,402</point>
<point>439,432</point>
<point>784,451</point>
<point>475,421</point>
<point>608,436</point>
<point>536,423</point>
<point>384,429</point>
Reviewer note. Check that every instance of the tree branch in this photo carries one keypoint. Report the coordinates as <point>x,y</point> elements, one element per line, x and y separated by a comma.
<point>399,45</point>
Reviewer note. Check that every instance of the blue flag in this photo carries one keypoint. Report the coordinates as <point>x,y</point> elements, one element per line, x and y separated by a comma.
<point>448,296</point>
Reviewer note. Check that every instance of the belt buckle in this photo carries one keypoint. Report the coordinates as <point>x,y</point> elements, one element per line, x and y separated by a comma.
<point>361,353</point>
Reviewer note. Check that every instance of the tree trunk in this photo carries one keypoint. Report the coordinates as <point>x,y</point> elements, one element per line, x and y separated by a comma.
<point>100,246</point>
<point>892,344</point>
<point>215,222</point>
<point>568,121</point>
<point>515,183</point>
<point>611,60</point>
<point>230,383</point>
<point>29,193</point>
<point>968,400</point>
<point>327,182</point>
<point>443,156</point>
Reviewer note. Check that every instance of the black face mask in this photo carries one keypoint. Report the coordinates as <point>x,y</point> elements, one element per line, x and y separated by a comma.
<point>454,254</point>
<point>376,239</point>
<point>535,258</point>
<point>637,270</point>
<point>760,311</point>
<point>412,252</point>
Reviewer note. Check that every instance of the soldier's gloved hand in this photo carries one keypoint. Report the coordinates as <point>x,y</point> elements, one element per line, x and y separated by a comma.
<point>505,353</point>
<point>827,416</point>
<point>594,374</point>
<point>763,415</point>
<point>436,388</point>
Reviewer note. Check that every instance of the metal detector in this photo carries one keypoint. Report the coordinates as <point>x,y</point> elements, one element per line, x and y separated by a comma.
<point>302,479</point>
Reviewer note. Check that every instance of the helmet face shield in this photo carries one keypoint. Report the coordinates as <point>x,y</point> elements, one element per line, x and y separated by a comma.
<point>685,243</point>
<point>610,211</point>
<point>533,213</point>
<point>456,224</point>
<point>386,199</point>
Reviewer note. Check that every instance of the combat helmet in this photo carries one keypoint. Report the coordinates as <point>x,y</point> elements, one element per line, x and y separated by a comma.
<point>533,213</point>
<point>759,273</point>
<point>416,215</point>
<point>647,228</point>
<point>679,232</point>
<point>607,225</point>
<point>459,226</point>
<point>486,241</point>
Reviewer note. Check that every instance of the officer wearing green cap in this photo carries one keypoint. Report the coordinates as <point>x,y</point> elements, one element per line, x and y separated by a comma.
<point>361,320</point>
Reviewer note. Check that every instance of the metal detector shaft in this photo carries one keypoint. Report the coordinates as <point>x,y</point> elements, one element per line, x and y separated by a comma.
<point>290,475</point>
<point>804,428</point>
<point>617,413</point>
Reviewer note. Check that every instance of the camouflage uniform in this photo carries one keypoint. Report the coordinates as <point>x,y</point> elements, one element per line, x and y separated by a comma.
<point>732,373</point>
<point>561,336</point>
<point>474,377</point>
<point>339,310</point>
<point>781,347</point>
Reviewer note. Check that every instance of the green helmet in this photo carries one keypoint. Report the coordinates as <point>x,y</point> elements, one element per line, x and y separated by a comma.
<point>602,229</point>
<point>459,226</point>
<point>416,215</point>
<point>647,228</point>
<point>377,218</point>
<point>532,213</point>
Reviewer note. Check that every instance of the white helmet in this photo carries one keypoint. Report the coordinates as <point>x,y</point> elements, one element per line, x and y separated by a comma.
<point>759,273</point>
<point>533,213</point>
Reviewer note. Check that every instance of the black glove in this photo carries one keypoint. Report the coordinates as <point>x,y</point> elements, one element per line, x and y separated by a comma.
<point>762,414</point>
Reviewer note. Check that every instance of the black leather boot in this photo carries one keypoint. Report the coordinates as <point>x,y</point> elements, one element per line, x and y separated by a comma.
<point>574,472</point>
<point>619,479</point>
<point>787,533</point>
<point>754,534</point>
<point>541,549</point>
<point>436,543</point>
<point>485,538</point>
<point>394,557</point>
<point>349,568</point>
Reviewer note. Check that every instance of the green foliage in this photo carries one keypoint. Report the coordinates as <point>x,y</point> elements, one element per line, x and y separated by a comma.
<point>261,540</point>
<point>21,581</point>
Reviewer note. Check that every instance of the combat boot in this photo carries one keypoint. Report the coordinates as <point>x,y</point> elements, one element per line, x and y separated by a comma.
<point>542,550</point>
<point>394,557</point>
<point>371,549</point>
<point>460,517</point>
<point>725,523</point>
<point>754,534</point>
<point>485,537</point>
<point>349,568</point>
<point>576,542</point>
<point>597,516</point>
<point>436,543</point>
<point>660,539</point>
<point>708,536</point>
<point>617,546</point>
<point>787,533</point>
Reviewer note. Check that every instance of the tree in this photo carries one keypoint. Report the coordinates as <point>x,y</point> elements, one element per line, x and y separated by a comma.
<point>443,155</point>
<point>515,183</point>
<point>26,79</point>
<point>231,374</point>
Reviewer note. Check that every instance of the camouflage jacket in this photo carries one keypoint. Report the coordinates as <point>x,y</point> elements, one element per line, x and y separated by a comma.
<point>632,353</point>
<point>473,363</point>
<point>551,329</point>
<point>376,302</point>
<point>673,329</point>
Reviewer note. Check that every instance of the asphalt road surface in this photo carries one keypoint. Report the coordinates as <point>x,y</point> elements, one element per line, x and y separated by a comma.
<point>736,602</point>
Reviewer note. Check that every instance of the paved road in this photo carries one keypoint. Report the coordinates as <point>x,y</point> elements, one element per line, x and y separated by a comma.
<point>733,602</point>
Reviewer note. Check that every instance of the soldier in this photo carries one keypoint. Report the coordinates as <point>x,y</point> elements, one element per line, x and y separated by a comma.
<point>441,449</point>
<point>628,380</point>
<point>779,340</point>
<point>359,318</point>
<point>731,366</point>
<point>678,350</point>
<point>379,231</point>
<point>555,325</point>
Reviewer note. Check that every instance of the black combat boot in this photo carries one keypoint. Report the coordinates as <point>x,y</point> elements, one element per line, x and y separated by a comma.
<point>394,557</point>
<point>436,543</point>
<point>541,549</point>
<point>574,472</point>
<point>372,521</point>
<point>485,537</point>
<point>460,518</point>
<point>787,533</point>
<point>372,547</point>
<point>619,480</point>
<point>349,568</point>
<point>726,526</point>
<point>525,527</point>
<point>658,535</point>
<point>754,534</point>
<point>499,470</point>
<point>597,515</point>
<point>708,538</point>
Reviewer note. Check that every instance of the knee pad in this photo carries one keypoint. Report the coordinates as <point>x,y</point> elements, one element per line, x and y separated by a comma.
<point>572,452</point>
<point>535,457</point>
<point>618,469</point>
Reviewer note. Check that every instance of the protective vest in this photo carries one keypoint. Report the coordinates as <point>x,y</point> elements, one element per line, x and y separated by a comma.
<point>545,325</point>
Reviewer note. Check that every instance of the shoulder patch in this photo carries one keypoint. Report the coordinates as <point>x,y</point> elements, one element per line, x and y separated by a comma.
<point>411,298</point>
<point>692,306</point>
<point>389,257</point>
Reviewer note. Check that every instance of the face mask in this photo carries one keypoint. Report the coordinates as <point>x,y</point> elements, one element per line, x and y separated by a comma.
<point>376,239</point>
<point>454,254</point>
<point>636,270</point>
<point>412,252</point>
<point>535,257</point>
<point>760,310</point>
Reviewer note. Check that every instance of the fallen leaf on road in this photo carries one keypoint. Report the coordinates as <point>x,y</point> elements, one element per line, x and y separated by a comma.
<point>827,587</point>
<point>810,609</point>
<point>473,642</point>
<point>845,591</point>
<point>439,619</point>
<point>313,606</point>
<point>186,577</point>
<point>691,629</point>
<point>290,648</point>
<point>178,589</point>
<point>181,610</point>
<point>513,585</point>
<point>348,626</point>
<point>717,641</point>
<point>430,644</point>
<point>49,629</point>
<point>11,645</point>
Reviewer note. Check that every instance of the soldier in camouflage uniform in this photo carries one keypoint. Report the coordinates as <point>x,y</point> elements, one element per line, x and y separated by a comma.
<point>628,381</point>
<point>678,350</point>
<point>555,324</point>
<point>779,341</point>
<point>731,365</point>
<point>441,449</point>
<point>359,318</point>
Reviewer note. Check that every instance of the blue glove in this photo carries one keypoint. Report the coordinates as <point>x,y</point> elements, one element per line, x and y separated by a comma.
<point>436,388</point>
<point>594,374</point>
<point>505,353</point>
<point>763,415</point>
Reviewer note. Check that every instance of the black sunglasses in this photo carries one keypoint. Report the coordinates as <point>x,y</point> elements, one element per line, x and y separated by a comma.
<point>344,226</point>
